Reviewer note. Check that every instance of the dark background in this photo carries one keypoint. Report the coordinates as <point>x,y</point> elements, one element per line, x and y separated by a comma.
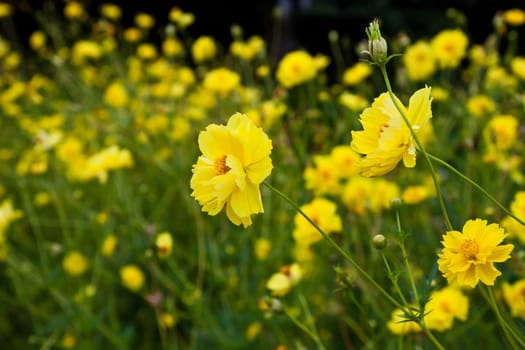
<point>306,22</point>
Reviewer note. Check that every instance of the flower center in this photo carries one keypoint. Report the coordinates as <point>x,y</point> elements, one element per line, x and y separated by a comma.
<point>469,248</point>
<point>220,166</point>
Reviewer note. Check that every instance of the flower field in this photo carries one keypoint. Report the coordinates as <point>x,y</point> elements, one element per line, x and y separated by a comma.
<point>184,193</point>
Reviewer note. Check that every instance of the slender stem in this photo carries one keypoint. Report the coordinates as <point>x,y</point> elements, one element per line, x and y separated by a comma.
<point>431,336</point>
<point>337,247</point>
<point>394,280</point>
<point>405,259</point>
<point>305,329</point>
<point>481,189</point>
<point>420,147</point>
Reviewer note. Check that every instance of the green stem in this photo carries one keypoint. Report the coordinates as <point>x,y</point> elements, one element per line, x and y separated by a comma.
<point>431,336</point>
<point>510,333</point>
<point>473,183</point>
<point>420,147</point>
<point>394,280</point>
<point>405,259</point>
<point>337,247</point>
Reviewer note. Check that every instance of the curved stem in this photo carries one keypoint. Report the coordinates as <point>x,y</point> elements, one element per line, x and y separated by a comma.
<point>473,183</point>
<point>420,147</point>
<point>405,259</point>
<point>337,247</point>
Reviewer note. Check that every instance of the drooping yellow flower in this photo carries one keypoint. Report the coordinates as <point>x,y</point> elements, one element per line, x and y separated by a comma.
<point>203,49</point>
<point>450,47</point>
<point>132,277</point>
<point>444,306</point>
<point>235,160</point>
<point>514,295</point>
<point>386,140</point>
<point>469,256</point>
<point>357,73</point>
<point>323,213</point>
<point>295,68</point>
<point>221,81</point>
<point>75,263</point>
<point>419,61</point>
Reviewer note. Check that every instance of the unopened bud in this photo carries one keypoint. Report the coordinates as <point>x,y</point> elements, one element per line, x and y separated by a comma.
<point>377,46</point>
<point>379,241</point>
<point>396,202</point>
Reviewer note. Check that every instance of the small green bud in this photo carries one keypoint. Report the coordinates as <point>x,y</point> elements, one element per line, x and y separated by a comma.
<point>377,46</point>
<point>379,241</point>
<point>395,203</point>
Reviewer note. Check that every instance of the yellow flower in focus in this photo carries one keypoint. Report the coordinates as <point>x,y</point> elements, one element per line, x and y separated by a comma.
<point>444,306</point>
<point>116,95</point>
<point>354,102</point>
<point>469,256</point>
<point>449,47</point>
<point>144,20</point>
<point>514,17</point>
<point>281,282</point>
<point>75,263</point>
<point>74,10</point>
<point>419,61</point>
<point>235,160</point>
<point>480,105</point>
<point>108,245</point>
<point>399,324</point>
<point>132,277</point>
<point>221,81</point>
<point>6,10</point>
<point>164,244</point>
<point>203,49</point>
<point>110,11</point>
<point>323,213</point>
<point>517,65</point>
<point>295,68</point>
<point>356,74</point>
<point>514,296</point>
<point>262,248</point>
<point>386,140</point>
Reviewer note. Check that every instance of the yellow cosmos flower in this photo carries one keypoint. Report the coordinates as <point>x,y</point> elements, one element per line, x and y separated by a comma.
<point>386,139</point>
<point>322,212</point>
<point>356,74</point>
<point>513,295</point>
<point>514,17</point>
<point>235,160</point>
<point>419,61</point>
<point>450,46</point>
<point>295,68</point>
<point>469,256</point>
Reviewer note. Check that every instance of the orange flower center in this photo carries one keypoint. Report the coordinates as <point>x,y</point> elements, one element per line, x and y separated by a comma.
<point>469,248</point>
<point>220,166</point>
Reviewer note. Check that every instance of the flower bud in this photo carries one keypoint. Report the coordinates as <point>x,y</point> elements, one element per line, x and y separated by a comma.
<point>379,242</point>
<point>377,46</point>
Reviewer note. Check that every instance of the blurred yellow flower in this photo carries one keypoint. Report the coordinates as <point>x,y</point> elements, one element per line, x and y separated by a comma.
<point>74,10</point>
<point>37,40</point>
<point>469,256</point>
<point>415,194</point>
<point>323,213</point>
<point>517,65</point>
<point>132,34</point>
<point>235,160</point>
<point>345,159</point>
<point>514,17</point>
<point>203,49</point>
<point>42,199</point>
<point>253,330</point>
<point>295,68</point>
<point>132,277</point>
<point>85,50</point>
<point>449,47</point>
<point>172,47</point>
<point>167,320</point>
<point>419,61</point>
<point>399,324</point>
<point>164,244</point>
<point>502,131</point>
<point>69,341</point>
<point>147,51</point>
<point>180,18</point>
<point>144,20</point>
<point>108,245</point>
<point>116,95</point>
<point>75,263</point>
<point>6,10</point>
<point>322,177</point>
<point>98,165</point>
<point>357,73</point>
<point>221,81</point>
<point>262,248</point>
<point>513,294</point>
<point>248,50</point>
<point>281,282</point>
<point>444,306</point>
<point>110,11</point>
<point>480,105</point>
<point>386,140</point>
